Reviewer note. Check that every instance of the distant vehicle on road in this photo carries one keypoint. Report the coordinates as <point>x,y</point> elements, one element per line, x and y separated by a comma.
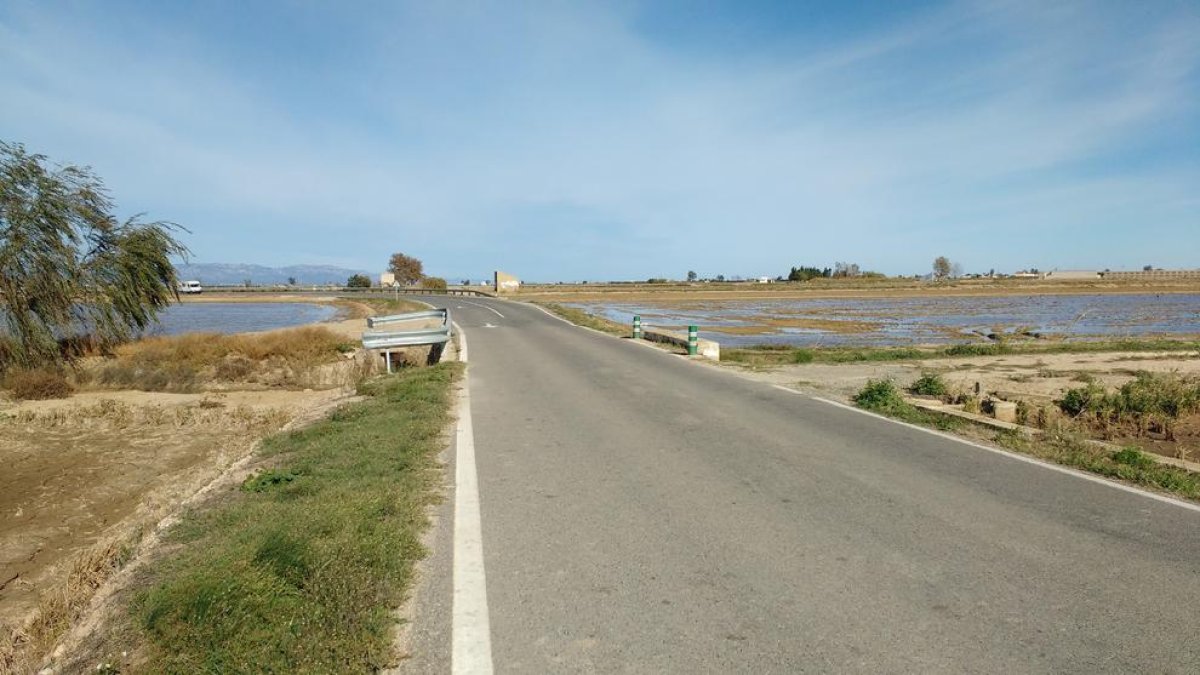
<point>190,287</point>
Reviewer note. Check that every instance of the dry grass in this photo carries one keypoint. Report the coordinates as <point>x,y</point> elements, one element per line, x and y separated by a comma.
<point>58,609</point>
<point>111,414</point>
<point>36,385</point>
<point>286,358</point>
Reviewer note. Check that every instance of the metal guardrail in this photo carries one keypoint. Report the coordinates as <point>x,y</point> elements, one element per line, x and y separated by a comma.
<point>373,321</point>
<point>391,338</point>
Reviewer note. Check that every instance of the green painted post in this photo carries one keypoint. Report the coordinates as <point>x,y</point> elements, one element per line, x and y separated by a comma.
<point>637,328</point>
<point>693,340</point>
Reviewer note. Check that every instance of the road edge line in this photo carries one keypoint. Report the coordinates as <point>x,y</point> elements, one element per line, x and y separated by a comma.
<point>1006,453</point>
<point>471,636</point>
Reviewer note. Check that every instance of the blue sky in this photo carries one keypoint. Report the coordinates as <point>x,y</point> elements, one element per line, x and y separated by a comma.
<point>626,140</point>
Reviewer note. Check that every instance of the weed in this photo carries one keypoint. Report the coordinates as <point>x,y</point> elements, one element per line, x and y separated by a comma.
<point>265,480</point>
<point>1132,456</point>
<point>883,397</point>
<point>930,384</point>
<point>1149,400</point>
<point>1129,464</point>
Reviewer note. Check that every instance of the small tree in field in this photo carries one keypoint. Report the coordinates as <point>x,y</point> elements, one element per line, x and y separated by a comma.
<point>69,267</point>
<point>358,281</point>
<point>941,267</point>
<point>408,270</point>
<point>691,275</point>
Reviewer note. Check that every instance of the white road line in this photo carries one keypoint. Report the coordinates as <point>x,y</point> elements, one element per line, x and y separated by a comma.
<point>493,311</point>
<point>471,641</point>
<point>1011,455</point>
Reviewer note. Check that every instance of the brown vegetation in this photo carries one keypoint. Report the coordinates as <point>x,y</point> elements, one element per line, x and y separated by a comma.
<point>286,358</point>
<point>36,385</point>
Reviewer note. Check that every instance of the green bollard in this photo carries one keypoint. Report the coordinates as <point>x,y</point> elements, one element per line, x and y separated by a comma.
<point>637,328</point>
<point>693,340</point>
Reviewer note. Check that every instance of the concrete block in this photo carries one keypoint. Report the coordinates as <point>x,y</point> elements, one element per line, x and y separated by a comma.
<point>1005,411</point>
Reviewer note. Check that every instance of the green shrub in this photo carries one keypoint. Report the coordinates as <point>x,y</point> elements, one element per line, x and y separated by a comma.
<point>37,384</point>
<point>880,396</point>
<point>802,356</point>
<point>1079,400</point>
<point>974,350</point>
<point>1132,456</point>
<point>930,384</point>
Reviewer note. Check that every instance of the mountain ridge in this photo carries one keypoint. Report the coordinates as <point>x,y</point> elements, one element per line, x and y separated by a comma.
<point>236,274</point>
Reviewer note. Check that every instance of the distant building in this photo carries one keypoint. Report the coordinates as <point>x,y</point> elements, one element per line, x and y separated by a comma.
<point>506,283</point>
<point>1071,275</point>
<point>764,280</point>
<point>387,279</point>
<point>1150,275</point>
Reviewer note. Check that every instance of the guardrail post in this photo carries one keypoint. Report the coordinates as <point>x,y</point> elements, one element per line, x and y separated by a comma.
<point>387,356</point>
<point>693,340</point>
<point>637,327</point>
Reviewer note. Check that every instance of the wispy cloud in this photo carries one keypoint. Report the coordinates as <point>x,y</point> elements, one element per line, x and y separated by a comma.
<point>567,141</point>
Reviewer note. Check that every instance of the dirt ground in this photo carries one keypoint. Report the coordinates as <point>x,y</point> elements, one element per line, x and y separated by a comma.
<point>1039,379</point>
<point>77,470</point>
<point>101,466</point>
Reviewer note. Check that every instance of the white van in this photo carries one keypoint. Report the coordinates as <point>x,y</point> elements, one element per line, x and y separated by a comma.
<point>190,287</point>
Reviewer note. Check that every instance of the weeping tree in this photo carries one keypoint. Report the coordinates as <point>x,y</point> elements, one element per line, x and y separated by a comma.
<point>71,274</point>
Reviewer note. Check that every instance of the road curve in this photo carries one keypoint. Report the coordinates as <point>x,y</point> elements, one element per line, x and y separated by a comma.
<point>641,513</point>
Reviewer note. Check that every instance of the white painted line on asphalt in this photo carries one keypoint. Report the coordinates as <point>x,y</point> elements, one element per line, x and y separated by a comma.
<point>485,307</point>
<point>471,641</point>
<point>1011,455</point>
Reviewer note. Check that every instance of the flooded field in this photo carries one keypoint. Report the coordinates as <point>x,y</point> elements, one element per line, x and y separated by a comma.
<point>239,317</point>
<point>924,320</point>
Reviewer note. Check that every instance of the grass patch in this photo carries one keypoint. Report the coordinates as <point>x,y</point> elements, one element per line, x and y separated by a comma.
<point>884,397</point>
<point>383,305</point>
<point>582,318</point>
<point>767,355</point>
<point>1150,401</point>
<point>1129,464</point>
<point>930,384</point>
<point>187,362</point>
<point>300,570</point>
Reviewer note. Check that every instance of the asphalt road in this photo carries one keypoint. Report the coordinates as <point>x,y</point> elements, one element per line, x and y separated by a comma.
<point>641,513</point>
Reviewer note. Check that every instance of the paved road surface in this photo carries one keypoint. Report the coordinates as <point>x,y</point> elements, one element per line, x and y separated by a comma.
<point>644,514</point>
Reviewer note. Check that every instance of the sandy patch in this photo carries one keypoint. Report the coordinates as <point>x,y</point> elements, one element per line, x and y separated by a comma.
<point>76,470</point>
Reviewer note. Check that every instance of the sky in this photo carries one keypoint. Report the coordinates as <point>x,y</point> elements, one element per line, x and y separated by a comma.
<point>568,141</point>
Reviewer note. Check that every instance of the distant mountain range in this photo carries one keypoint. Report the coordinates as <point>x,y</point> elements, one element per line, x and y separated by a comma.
<point>223,274</point>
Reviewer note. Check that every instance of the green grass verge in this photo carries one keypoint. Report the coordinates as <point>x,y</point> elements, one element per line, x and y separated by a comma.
<point>770,355</point>
<point>883,397</point>
<point>1128,464</point>
<point>300,570</point>
<point>385,305</point>
<point>582,318</point>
